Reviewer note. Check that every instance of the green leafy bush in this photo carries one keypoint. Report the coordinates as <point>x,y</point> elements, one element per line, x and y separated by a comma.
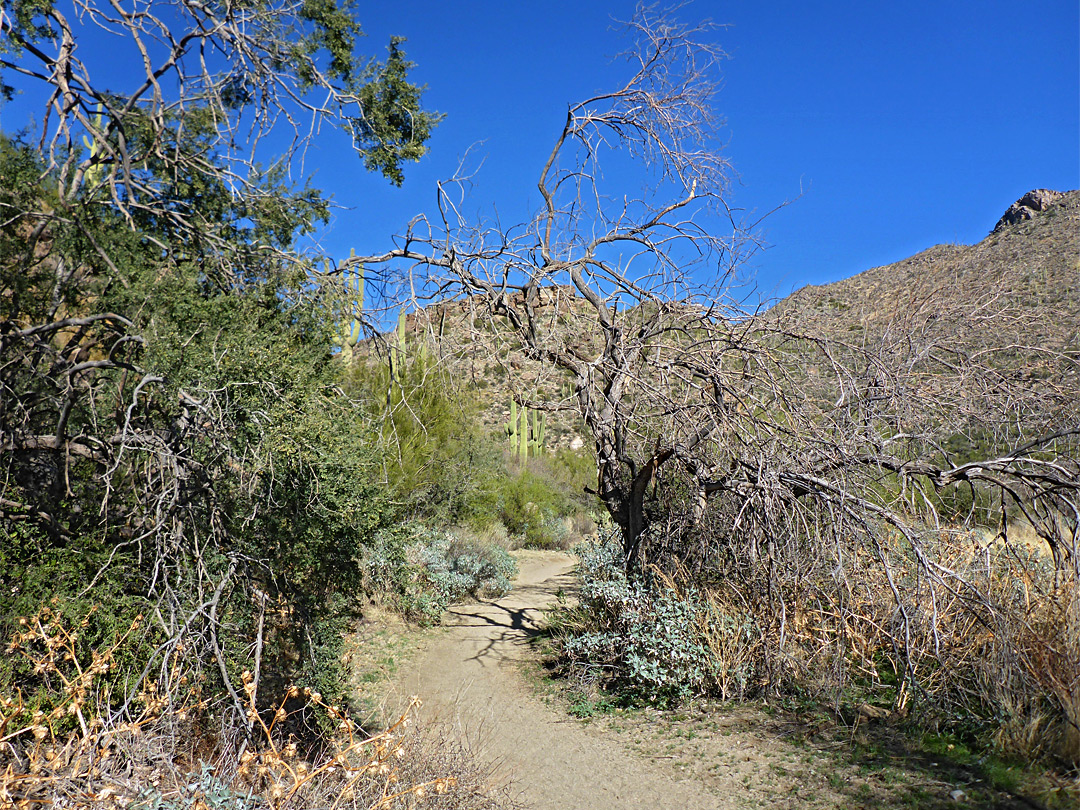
<point>202,469</point>
<point>443,469</point>
<point>533,505</point>
<point>434,456</point>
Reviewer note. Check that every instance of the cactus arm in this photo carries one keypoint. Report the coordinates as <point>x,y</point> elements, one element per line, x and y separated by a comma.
<point>523,437</point>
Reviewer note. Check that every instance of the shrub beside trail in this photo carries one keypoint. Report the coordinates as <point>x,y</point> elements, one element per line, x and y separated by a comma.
<point>1001,669</point>
<point>300,752</point>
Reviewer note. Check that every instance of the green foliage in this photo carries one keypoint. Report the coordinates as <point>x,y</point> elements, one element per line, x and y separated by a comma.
<point>394,127</point>
<point>271,57</point>
<point>645,637</point>
<point>86,589</point>
<point>28,24</point>
<point>531,505</point>
<point>24,280</point>
<point>211,447</point>
<point>576,470</point>
<point>205,790</point>
<point>333,30</point>
<point>186,491</point>
<point>432,451</point>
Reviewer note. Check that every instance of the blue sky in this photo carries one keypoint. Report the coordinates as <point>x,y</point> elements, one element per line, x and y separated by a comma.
<point>901,125</point>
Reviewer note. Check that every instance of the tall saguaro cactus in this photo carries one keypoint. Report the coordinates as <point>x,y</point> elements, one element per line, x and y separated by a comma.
<point>397,349</point>
<point>539,427</point>
<point>353,282</point>
<point>525,431</point>
<point>96,172</point>
<point>523,435</point>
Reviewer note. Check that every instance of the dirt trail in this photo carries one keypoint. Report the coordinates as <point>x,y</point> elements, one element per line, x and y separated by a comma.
<point>469,677</point>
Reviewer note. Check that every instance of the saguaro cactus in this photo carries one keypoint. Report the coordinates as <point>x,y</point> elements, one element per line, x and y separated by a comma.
<point>353,304</point>
<point>523,434</point>
<point>525,430</point>
<point>512,428</point>
<point>397,349</point>
<point>96,172</point>
<point>539,427</point>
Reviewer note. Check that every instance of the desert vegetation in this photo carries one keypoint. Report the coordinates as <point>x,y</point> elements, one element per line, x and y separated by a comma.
<point>216,447</point>
<point>886,516</point>
<point>197,497</point>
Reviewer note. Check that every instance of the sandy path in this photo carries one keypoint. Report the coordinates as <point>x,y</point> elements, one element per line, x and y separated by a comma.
<point>469,677</point>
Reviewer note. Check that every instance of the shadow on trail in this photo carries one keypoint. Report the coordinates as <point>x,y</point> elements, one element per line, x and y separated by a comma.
<point>507,626</point>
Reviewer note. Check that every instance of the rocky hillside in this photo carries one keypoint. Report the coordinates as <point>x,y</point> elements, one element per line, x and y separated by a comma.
<point>1029,264</point>
<point>486,364</point>
<point>1020,286</point>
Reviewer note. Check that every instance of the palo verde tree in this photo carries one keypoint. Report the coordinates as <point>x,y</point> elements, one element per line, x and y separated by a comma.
<point>172,442</point>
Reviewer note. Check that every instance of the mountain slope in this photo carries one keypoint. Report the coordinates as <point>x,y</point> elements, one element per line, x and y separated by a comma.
<point>1013,298</point>
<point>1028,268</point>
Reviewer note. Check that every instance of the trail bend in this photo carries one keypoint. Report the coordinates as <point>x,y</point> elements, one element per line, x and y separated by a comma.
<point>470,677</point>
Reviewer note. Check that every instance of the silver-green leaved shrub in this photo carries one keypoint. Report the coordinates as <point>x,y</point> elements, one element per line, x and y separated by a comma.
<point>425,570</point>
<point>647,640</point>
<point>206,790</point>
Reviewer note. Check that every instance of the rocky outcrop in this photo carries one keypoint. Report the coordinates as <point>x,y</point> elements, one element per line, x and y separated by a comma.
<point>1027,207</point>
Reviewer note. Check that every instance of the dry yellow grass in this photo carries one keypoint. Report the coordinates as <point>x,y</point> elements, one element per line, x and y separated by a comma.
<point>163,755</point>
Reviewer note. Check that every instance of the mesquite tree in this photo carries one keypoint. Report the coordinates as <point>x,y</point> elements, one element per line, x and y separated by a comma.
<point>703,415</point>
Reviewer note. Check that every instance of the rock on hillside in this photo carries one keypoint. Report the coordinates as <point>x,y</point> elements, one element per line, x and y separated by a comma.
<point>1027,207</point>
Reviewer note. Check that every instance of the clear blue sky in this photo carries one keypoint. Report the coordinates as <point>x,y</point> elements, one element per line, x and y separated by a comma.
<point>903,125</point>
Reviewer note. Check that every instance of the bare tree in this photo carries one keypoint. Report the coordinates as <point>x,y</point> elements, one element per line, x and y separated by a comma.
<point>677,378</point>
<point>856,495</point>
<point>613,251</point>
<point>746,445</point>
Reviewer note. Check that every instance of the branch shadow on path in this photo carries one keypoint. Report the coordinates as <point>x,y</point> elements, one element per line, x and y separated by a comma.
<point>504,628</point>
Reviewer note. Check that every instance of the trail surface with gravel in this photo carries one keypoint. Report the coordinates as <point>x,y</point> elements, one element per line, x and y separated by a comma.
<point>471,677</point>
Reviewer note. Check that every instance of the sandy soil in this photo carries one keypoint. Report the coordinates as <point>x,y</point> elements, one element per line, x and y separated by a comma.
<point>469,676</point>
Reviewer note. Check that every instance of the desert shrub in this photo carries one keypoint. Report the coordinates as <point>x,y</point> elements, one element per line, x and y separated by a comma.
<point>53,588</point>
<point>992,657</point>
<point>964,634</point>
<point>204,472</point>
<point>532,505</point>
<point>574,470</point>
<point>443,468</point>
<point>424,570</point>
<point>646,639</point>
<point>434,456</point>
